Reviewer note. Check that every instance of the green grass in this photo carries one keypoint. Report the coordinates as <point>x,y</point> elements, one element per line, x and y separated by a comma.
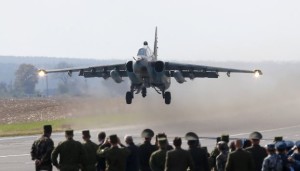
<point>84,122</point>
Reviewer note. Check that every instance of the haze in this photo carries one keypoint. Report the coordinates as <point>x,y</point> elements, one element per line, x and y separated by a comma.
<point>192,30</point>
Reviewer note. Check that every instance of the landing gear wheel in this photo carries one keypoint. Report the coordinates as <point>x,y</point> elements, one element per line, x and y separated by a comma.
<point>144,92</point>
<point>129,97</point>
<point>167,97</point>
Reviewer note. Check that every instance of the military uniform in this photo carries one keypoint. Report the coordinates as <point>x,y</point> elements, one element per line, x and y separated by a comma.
<point>71,154</point>
<point>281,147</point>
<point>41,150</point>
<point>115,157</point>
<point>216,152</point>
<point>132,160</point>
<point>157,160</point>
<point>91,153</point>
<point>221,161</point>
<point>145,150</point>
<point>258,153</point>
<point>296,157</point>
<point>272,162</point>
<point>199,155</point>
<point>178,160</point>
<point>239,160</point>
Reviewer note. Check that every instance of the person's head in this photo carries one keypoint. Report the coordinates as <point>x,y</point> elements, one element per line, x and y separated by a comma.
<point>192,139</point>
<point>222,146</point>
<point>86,135</point>
<point>128,139</point>
<point>101,136</point>
<point>255,137</point>
<point>113,139</point>
<point>177,142</point>
<point>280,147</point>
<point>247,143</point>
<point>232,146</point>
<point>289,145</point>
<point>147,134</point>
<point>270,148</point>
<point>225,138</point>
<point>69,134</point>
<point>162,140</point>
<point>47,130</point>
<point>239,143</point>
<point>278,139</point>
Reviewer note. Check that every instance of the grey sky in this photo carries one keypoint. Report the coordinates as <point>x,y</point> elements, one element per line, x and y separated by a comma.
<point>188,30</point>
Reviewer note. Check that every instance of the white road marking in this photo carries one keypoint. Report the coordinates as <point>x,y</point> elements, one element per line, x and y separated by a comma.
<point>15,155</point>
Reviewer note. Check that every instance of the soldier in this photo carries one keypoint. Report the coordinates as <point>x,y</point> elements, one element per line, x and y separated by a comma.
<point>199,155</point>
<point>294,159</point>
<point>221,159</point>
<point>91,151</point>
<point>71,154</point>
<point>132,160</point>
<point>239,160</point>
<point>273,161</point>
<point>178,159</point>
<point>281,147</point>
<point>101,160</point>
<point>158,158</point>
<point>41,150</point>
<point>146,149</point>
<point>216,152</point>
<point>169,147</point>
<point>289,147</point>
<point>115,157</point>
<point>258,153</point>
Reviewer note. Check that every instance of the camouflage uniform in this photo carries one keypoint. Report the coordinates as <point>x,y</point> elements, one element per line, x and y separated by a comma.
<point>272,162</point>
<point>71,155</point>
<point>41,150</point>
<point>91,155</point>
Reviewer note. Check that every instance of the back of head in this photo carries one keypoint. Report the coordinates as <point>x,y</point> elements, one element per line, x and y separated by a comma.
<point>239,143</point>
<point>128,139</point>
<point>86,134</point>
<point>47,129</point>
<point>101,136</point>
<point>162,140</point>
<point>69,134</point>
<point>147,134</point>
<point>177,142</point>
<point>113,139</point>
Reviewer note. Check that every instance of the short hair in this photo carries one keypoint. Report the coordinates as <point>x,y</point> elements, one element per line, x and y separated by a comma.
<point>177,142</point>
<point>101,135</point>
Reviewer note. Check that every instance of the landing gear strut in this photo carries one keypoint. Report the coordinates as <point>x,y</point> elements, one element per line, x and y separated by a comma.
<point>144,91</point>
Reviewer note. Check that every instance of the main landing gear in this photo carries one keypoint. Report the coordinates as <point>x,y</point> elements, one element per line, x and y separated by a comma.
<point>129,97</point>
<point>167,97</point>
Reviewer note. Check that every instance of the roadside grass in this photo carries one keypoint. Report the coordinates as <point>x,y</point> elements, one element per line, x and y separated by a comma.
<point>82,122</point>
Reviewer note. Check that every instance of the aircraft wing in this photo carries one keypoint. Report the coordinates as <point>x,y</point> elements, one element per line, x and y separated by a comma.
<point>93,71</point>
<point>192,71</point>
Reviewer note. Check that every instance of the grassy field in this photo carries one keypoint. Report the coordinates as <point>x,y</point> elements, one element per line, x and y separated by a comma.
<point>82,122</point>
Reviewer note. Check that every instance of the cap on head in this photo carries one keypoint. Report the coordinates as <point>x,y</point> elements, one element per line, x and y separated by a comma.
<point>255,136</point>
<point>145,43</point>
<point>147,133</point>
<point>191,136</point>
<point>161,137</point>
<point>69,132</point>
<point>225,138</point>
<point>86,133</point>
<point>280,145</point>
<point>270,146</point>
<point>113,139</point>
<point>297,144</point>
<point>279,138</point>
<point>289,144</point>
<point>218,139</point>
<point>47,128</point>
<point>128,138</point>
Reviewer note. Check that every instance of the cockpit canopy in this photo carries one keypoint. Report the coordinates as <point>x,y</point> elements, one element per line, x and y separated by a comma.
<point>144,52</point>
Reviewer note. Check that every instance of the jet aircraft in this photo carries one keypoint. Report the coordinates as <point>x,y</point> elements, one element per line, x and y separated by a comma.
<point>146,71</point>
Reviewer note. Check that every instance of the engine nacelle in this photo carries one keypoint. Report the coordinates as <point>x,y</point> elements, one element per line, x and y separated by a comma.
<point>116,76</point>
<point>159,66</point>
<point>129,66</point>
<point>179,77</point>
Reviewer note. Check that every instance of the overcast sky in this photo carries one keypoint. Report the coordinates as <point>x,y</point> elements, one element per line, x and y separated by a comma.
<point>218,30</point>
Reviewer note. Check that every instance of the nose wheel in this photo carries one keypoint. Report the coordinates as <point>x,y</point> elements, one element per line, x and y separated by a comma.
<point>129,97</point>
<point>167,97</point>
<point>144,92</point>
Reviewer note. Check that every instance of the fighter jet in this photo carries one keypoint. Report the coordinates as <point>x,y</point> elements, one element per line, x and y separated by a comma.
<point>146,71</point>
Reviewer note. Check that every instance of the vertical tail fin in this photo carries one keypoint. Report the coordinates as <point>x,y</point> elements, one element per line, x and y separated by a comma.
<point>155,45</point>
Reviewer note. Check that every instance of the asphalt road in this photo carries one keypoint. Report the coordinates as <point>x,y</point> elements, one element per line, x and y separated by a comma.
<point>14,151</point>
